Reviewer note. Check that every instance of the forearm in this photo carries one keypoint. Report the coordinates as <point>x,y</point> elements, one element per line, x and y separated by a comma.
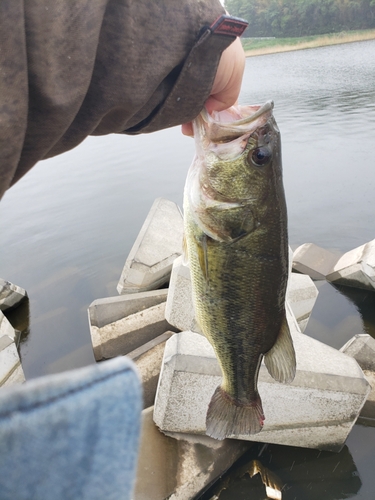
<point>72,69</point>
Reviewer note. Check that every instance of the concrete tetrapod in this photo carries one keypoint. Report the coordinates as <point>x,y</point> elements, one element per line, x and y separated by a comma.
<point>11,371</point>
<point>119,325</point>
<point>159,242</point>
<point>362,348</point>
<point>355,268</point>
<point>317,410</point>
<point>10,295</point>
<point>178,469</point>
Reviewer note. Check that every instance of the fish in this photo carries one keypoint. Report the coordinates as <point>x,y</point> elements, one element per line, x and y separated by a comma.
<point>236,246</point>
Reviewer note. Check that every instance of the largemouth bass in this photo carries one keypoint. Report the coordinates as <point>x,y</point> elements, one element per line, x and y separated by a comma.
<point>236,244</point>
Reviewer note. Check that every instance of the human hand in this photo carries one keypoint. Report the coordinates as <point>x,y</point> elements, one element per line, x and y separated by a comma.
<point>227,83</point>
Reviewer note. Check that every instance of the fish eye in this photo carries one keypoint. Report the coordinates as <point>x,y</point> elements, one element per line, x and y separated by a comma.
<point>260,156</point>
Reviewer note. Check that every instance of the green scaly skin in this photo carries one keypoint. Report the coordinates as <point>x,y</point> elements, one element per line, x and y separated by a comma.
<point>239,271</point>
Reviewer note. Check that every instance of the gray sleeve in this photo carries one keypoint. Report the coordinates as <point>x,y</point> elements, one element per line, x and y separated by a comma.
<point>84,67</point>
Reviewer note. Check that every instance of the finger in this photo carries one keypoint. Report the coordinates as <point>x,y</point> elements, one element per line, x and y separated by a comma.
<point>187,129</point>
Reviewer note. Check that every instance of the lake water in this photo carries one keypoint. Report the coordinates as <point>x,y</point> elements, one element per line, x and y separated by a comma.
<point>67,227</point>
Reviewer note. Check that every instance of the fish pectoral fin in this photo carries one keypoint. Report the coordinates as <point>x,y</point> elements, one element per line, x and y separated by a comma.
<point>185,258</point>
<point>281,359</point>
<point>202,255</point>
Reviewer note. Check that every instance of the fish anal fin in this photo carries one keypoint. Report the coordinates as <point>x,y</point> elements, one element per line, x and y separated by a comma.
<point>228,417</point>
<point>280,360</point>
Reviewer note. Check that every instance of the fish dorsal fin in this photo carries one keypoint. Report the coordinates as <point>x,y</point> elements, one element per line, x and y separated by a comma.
<point>281,359</point>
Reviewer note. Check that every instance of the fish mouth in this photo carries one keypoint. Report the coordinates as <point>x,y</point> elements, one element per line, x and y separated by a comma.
<point>225,126</point>
<point>259,110</point>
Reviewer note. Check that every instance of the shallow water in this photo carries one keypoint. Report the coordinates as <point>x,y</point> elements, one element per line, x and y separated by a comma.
<point>67,226</point>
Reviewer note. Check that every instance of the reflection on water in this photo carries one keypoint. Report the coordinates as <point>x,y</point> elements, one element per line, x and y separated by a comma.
<point>365,305</point>
<point>19,318</point>
<point>341,312</point>
<point>67,227</point>
<point>325,108</point>
<point>303,474</point>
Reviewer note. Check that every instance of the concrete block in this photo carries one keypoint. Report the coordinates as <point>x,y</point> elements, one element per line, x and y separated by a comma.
<point>356,268</point>
<point>11,371</point>
<point>148,359</point>
<point>367,415</point>
<point>128,333</point>
<point>362,348</point>
<point>10,295</point>
<point>301,295</point>
<point>179,310</point>
<point>314,261</point>
<point>7,329</point>
<point>178,469</point>
<point>158,244</point>
<point>104,311</point>
<point>317,410</point>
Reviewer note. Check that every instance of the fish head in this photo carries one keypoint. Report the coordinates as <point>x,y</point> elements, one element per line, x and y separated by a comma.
<point>236,169</point>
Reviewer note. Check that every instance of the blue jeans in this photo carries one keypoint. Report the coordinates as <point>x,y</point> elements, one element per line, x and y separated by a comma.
<point>71,436</point>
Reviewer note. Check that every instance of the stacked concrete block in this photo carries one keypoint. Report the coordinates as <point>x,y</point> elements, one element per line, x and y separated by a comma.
<point>11,371</point>
<point>7,329</point>
<point>317,410</point>
<point>148,359</point>
<point>362,348</point>
<point>118,325</point>
<point>179,310</point>
<point>10,295</point>
<point>158,244</point>
<point>355,268</point>
<point>314,261</point>
<point>301,295</point>
<point>178,469</point>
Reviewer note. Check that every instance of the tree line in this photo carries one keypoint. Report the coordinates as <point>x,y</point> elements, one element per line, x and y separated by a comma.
<point>295,18</point>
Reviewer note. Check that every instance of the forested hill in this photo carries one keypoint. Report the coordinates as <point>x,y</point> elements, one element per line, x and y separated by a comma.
<point>291,18</point>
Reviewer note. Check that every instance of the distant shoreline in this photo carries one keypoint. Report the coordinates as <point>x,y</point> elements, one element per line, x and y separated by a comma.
<point>276,45</point>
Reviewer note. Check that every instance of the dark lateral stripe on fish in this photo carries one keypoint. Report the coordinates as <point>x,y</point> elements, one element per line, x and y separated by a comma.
<point>227,416</point>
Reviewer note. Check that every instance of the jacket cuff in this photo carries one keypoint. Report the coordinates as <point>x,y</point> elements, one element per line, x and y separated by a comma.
<point>194,83</point>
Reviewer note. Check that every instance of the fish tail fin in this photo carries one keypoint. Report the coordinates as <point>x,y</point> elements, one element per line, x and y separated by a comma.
<point>281,359</point>
<point>227,416</point>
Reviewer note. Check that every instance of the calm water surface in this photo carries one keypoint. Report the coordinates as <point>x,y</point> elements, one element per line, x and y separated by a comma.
<point>67,227</point>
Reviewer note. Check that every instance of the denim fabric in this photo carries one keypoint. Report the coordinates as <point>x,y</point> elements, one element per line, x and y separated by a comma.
<point>71,436</point>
